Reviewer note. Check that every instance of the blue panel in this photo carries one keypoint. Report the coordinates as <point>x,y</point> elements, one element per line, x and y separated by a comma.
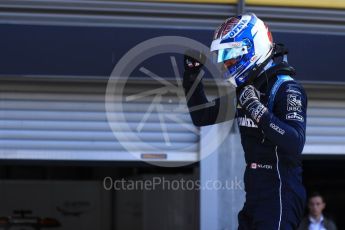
<point>94,51</point>
<point>315,57</point>
<point>72,50</point>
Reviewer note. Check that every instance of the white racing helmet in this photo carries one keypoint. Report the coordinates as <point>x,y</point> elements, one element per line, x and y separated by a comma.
<point>244,45</point>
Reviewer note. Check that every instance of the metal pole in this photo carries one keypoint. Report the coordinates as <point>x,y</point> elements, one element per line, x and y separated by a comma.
<point>241,5</point>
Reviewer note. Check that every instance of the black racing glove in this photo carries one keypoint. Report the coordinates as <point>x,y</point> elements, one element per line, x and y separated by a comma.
<point>193,62</point>
<point>248,98</point>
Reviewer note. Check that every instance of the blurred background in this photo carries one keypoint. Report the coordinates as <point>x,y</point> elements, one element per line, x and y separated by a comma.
<point>56,146</point>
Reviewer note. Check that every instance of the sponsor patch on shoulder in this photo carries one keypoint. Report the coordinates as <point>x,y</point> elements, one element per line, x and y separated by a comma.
<point>293,89</point>
<point>294,117</point>
<point>294,103</point>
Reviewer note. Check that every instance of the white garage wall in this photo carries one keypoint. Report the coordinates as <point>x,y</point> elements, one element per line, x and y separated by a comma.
<point>67,121</point>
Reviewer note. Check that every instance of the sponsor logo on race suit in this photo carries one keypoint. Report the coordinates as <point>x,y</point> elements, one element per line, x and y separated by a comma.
<point>293,89</point>
<point>294,103</point>
<point>260,166</point>
<point>294,117</point>
<point>277,128</point>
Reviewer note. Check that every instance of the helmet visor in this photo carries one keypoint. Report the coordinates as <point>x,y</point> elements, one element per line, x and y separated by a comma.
<point>229,50</point>
<point>231,53</point>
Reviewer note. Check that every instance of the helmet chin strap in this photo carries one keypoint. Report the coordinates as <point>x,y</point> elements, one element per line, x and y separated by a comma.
<point>279,68</point>
<point>269,65</point>
<point>257,70</point>
<point>285,58</point>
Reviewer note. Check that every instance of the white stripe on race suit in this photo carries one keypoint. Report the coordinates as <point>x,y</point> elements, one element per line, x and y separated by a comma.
<point>280,189</point>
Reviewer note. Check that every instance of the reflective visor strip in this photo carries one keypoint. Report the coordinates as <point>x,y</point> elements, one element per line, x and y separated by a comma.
<point>217,45</point>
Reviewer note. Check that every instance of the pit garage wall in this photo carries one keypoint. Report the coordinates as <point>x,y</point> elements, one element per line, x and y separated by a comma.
<point>82,40</point>
<point>88,52</point>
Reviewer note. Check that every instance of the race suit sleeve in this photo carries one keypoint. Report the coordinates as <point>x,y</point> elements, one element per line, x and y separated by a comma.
<point>286,126</point>
<point>202,111</point>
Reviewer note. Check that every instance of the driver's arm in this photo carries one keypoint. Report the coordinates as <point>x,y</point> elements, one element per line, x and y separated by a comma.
<point>202,111</point>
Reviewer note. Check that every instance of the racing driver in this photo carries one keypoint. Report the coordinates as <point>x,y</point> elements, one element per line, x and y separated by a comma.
<point>271,115</point>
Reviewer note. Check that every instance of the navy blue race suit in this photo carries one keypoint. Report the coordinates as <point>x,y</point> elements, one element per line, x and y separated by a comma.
<point>275,196</point>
